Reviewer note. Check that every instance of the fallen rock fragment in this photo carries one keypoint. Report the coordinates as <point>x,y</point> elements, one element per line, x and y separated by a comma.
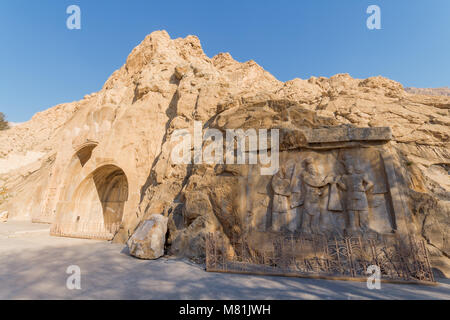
<point>148,241</point>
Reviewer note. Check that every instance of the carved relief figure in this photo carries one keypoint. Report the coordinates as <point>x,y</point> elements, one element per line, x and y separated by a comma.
<point>312,202</point>
<point>287,194</point>
<point>356,184</point>
<point>313,183</point>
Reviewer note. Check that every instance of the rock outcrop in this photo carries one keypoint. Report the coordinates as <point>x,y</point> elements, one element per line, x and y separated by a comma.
<point>99,167</point>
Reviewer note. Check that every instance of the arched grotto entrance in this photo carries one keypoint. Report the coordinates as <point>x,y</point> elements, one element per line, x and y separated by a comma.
<point>112,189</point>
<point>96,208</point>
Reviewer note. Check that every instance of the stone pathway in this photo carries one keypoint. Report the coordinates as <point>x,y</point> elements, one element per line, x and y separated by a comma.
<point>33,266</point>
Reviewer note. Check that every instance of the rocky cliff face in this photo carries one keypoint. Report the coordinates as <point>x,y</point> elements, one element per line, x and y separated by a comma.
<point>72,153</point>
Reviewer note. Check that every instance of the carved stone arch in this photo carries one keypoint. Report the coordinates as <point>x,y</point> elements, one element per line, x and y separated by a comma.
<point>95,209</point>
<point>74,170</point>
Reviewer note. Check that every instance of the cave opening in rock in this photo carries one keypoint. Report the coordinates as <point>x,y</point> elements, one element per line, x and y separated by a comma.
<point>111,185</point>
<point>95,210</point>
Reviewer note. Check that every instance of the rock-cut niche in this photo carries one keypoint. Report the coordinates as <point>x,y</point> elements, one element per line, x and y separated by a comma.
<point>85,153</point>
<point>100,200</point>
<point>111,185</point>
<point>96,208</point>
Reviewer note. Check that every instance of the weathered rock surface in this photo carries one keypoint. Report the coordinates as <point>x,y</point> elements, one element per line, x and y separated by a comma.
<point>149,239</point>
<point>98,167</point>
<point>4,216</point>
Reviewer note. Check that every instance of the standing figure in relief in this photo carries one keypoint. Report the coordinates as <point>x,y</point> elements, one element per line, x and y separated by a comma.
<point>356,184</point>
<point>313,183</point>
<point>286,197</point>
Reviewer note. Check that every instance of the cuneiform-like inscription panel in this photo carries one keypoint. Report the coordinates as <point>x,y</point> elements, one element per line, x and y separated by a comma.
<point>399,259</point>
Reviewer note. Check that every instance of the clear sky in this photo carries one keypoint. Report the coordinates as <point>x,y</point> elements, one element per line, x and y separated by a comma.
<point>42,63</point>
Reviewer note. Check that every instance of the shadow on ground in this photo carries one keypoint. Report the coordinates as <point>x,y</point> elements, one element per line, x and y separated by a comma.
<point>108,273</point>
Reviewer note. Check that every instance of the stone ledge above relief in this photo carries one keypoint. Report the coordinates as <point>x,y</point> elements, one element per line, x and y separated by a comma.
<point>342,134</point>
<point>333,137</point>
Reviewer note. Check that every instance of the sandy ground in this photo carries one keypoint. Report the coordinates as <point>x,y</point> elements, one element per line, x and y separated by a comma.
<point>33,266</point>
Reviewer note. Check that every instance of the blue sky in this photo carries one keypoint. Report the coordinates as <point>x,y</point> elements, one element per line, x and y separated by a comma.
<point>43,63</point>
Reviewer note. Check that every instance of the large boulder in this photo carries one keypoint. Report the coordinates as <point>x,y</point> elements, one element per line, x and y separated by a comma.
<point>149,239</point>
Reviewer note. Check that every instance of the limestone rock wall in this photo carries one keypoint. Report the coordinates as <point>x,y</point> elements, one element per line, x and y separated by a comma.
<point>86,152</point>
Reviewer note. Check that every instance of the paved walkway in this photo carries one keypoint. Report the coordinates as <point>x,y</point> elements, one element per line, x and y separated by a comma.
<point>33,266</point>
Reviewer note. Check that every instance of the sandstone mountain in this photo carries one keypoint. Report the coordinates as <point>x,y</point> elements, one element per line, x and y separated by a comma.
<point>110,152</point>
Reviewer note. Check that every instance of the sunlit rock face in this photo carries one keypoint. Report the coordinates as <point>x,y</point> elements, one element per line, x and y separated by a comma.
<point>356,157</point>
